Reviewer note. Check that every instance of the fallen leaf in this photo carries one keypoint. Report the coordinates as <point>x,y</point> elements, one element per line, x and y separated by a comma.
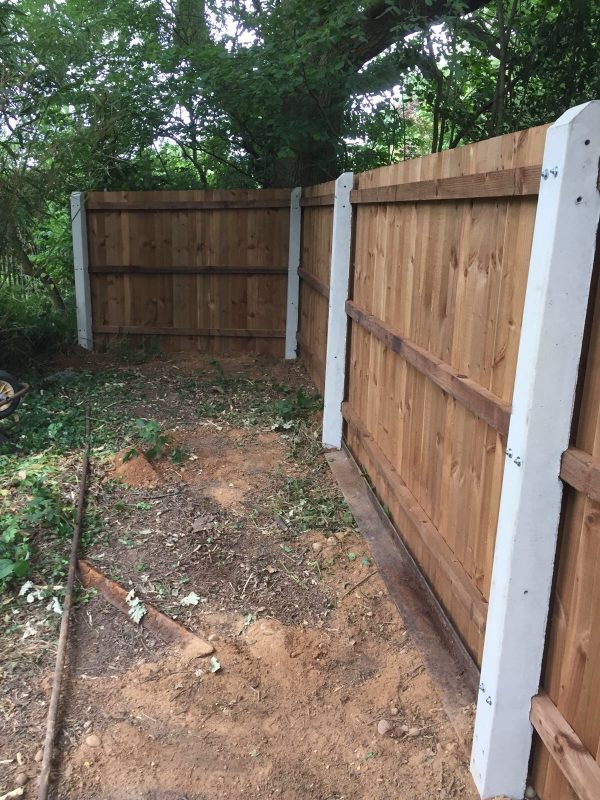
<point>191,599</point>
<point>137,610</point>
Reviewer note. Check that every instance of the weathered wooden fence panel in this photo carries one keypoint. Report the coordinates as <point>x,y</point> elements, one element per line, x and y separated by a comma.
<point>315,260</point>
<point>572,671</point>
<point>201,270</point>
<point>442,248</point>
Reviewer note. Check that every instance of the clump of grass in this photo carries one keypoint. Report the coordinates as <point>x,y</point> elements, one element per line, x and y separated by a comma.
<point>39,466</point>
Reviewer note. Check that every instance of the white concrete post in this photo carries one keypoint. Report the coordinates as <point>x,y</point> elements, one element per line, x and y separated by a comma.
<point>293,287</point>
<point>83,297</point>
<point>337,324</point>
<point>556,302</point>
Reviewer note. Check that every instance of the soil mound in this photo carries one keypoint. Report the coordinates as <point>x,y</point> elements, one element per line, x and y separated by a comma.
<point>135,471</point>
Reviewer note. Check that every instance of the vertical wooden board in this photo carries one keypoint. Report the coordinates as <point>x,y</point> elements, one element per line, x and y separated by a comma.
<point>113,312</point>
<point>184,301</point>
<point>234,312</point>
<point>98,293</point>
<point>315,256</point>
<point>181,227</point>
<point>95,229</point>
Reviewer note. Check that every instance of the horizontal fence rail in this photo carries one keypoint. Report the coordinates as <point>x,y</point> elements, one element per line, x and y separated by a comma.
<point>516,182</point>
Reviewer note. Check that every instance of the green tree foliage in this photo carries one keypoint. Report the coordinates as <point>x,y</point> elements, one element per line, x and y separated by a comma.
<point>154,94</point>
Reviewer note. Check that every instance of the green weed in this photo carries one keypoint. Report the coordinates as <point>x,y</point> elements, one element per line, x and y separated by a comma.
<point>149,433</point>
<point>307,503</point>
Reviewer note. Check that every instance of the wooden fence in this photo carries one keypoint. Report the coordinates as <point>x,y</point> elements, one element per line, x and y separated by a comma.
<point>444,253</point>
<point>440,261</point>
<point>439,268</point>
<point>315,260</point>
<point>568,718</point>
<point>202,270</point>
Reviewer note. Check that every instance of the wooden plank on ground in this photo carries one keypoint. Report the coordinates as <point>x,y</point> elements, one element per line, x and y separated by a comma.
<point>517,182</point>
<point>575,762</point>
<point>449,665</point>
<point>164,627</point>
<point>477,399</point>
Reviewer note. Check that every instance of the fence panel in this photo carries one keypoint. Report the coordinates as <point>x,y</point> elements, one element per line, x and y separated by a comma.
<point>442,248</point>
<point>201,270</point>
<point>315,260</point>
<point>572,670</point>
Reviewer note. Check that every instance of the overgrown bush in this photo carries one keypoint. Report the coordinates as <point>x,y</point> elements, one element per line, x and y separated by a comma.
<point>30,328</point>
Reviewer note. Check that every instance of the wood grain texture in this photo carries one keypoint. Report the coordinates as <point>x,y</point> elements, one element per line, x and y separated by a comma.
<point>315,259</point>
<point>137,269</point>
<point>515,182</point>
<point>423,528</point>
<point>473,397</point>
<point>172,331</point>
<point>445,283</point>
<point>314,283</point>
<point>576,763</point>
<point>198,270</point>
<point>317,200</point>
<point>581,471</point>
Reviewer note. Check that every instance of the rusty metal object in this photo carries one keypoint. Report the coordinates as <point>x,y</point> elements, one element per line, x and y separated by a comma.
<point>64,623</point>
<point>162,626</point>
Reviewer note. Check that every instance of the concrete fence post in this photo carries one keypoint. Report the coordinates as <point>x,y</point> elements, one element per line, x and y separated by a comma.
<point>83,297</point>
<point>556,302</point>
<point>293,287</point>
<point>337,323</point>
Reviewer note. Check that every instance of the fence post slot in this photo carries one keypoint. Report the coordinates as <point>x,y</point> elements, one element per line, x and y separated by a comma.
<point>82,278</point>
<point>554,316</point>
<point>293,287</point>
<point>337,323</point>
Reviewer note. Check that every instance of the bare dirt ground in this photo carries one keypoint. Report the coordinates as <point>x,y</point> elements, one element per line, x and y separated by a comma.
<point>238,531</point>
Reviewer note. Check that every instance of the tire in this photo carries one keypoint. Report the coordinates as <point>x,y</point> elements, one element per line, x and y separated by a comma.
<point>9,386</point>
